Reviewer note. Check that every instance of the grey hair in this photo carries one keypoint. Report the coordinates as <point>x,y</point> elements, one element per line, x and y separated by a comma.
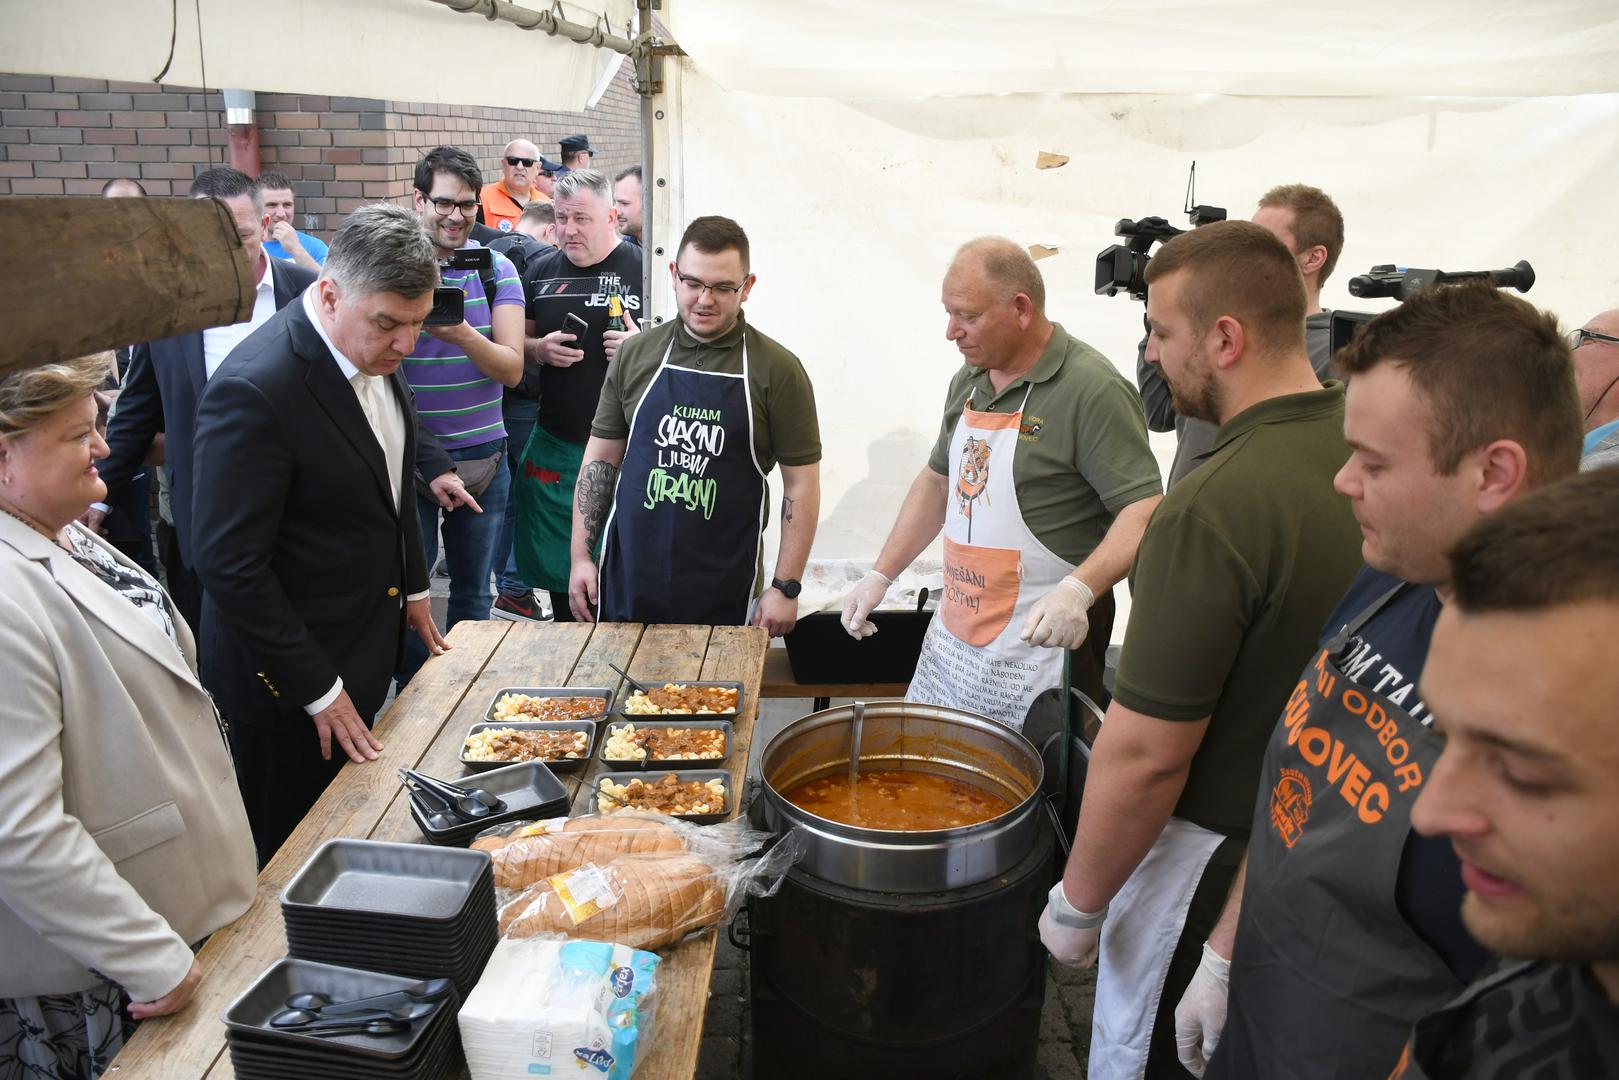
<point>382,247</point>
<point>579,181</point>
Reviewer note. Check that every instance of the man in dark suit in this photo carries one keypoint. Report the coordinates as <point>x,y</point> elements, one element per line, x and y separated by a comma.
<point>312,567</point>
<point>166,377</point>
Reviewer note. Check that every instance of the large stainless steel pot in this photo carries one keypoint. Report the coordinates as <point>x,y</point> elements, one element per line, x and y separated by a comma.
<point>919,738</point>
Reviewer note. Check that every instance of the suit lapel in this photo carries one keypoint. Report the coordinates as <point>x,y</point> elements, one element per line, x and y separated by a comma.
<point>191,351</point>
<point>406,399</point>
<point>336,397</point>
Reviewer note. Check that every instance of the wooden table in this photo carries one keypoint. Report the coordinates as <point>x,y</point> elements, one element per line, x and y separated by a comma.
<point>424,729</point>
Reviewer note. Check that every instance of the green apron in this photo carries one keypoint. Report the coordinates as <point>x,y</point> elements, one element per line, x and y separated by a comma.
<point>544,495</point>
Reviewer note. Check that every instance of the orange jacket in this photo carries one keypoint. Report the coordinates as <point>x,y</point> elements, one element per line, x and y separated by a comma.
<point>500,210</point>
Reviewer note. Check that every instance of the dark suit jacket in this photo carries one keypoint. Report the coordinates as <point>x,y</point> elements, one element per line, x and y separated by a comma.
<point>160,394</point>
<point>161,388</point>
<point>307,558</point>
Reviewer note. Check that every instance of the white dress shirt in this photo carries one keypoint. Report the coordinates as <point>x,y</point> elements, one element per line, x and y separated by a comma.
<point>218,341</point>
<point>387,422</point>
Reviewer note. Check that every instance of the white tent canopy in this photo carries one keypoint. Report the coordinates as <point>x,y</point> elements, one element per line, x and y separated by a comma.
<point>399,50</point>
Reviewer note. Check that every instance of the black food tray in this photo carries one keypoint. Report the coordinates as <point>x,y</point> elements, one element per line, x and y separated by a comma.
<point>556,765</point>
<point>820,651</point>
<point>401,883</point>
<point>665,764</point>
<point>704,775</point>
<point>249,1015</point>
<point>653,684</point>
<point>603,692</point>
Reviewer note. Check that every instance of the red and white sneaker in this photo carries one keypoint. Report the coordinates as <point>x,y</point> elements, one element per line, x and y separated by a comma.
<point>521,607</point>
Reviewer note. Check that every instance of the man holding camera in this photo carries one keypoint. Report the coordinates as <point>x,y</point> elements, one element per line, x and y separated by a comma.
<point>457,371</point>
<point>1309,223</point>
<point>572,293</point>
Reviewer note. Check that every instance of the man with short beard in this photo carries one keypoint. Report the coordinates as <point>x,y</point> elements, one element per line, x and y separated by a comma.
<point>1522,682</point>
<point>592,265</point>
<point>1238,568</point>
<point>281,239</point>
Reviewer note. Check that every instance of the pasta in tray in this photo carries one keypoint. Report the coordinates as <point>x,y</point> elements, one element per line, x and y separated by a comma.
<point>682,699</point>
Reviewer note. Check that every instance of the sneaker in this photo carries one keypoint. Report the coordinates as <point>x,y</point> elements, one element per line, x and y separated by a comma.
<point>442,569</point>
<point>521,607</point>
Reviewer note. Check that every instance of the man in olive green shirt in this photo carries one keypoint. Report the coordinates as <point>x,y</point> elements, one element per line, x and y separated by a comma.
<point>692,416</point>
<point>1242,563</point>
<point>1083,483</point>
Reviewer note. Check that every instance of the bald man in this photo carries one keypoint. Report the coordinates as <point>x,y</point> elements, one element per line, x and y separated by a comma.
<point>504,200</point>
<point>1595,347</point>
<point>1042,481</point>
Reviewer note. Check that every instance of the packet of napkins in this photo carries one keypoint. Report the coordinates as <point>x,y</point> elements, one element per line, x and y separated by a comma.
<point>552,1007</point>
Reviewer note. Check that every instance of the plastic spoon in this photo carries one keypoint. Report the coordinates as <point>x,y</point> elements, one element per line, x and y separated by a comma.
<point>441,819</point>
<point>427,990</point>
<point>352,1027</point>
<point>469,803</point>
<point>633,684</point>
<point>313,1020</point>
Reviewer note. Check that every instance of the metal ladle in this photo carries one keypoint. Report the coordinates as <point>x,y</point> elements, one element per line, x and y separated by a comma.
<point>427,990</point>
<point>856,723</point>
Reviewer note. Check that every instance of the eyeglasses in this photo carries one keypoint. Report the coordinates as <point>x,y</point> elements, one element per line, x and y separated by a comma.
<point>444,206</point>
<point>524,161</point>
<point>1576,338</point>
<point>721,289</point>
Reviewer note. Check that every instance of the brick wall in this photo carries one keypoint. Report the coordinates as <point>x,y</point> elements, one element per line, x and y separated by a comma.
<point>62,136</point>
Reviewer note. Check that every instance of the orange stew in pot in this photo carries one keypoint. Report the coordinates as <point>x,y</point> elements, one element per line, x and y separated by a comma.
<point>903,801</point>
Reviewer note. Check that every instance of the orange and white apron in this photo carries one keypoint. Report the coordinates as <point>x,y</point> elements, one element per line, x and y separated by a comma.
<point>995,571</point>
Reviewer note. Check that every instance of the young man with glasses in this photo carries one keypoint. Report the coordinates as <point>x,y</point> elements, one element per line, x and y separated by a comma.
<point>457,373</point>
<point>1595,347</point>
<point>693,415</point>
<point>504,200</point>
<point>570,295</point>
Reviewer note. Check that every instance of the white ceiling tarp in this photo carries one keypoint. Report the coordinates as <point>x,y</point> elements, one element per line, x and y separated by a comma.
<point>399,50</point>
<point>932,48</point>
<point>854,204</point>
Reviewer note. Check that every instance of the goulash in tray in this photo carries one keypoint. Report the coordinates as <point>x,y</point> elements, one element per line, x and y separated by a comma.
<point>517,744</point>
<point>668,795</point>
<point>627,742</point>
<point>680,698</point>
<point>524,707</point>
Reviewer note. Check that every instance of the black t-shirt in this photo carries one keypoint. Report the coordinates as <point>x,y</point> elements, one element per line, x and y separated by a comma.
<point>1387,655</point>
<point>554,288</point>
<point>1536,1020</point>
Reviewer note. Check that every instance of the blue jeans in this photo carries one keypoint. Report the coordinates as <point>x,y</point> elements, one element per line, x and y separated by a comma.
<point>469,549</point>
<point>520,414</point>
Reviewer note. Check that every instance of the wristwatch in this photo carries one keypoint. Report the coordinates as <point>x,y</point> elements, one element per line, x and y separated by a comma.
<point>789,588</point>
<point>1066,914</point>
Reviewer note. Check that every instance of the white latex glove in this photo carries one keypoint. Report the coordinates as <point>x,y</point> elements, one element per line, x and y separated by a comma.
<point>1058,620</point>
<point>1200,1016</point>
<point>861,601</point>
<point>1069,946</point>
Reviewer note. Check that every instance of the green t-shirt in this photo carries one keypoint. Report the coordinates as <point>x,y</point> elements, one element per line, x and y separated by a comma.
<point>1082,453</point>
<point>785,428</point>
<point>1240,567</point>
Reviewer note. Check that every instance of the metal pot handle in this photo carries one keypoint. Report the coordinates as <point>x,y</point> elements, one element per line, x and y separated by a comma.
<point>1050,803</point>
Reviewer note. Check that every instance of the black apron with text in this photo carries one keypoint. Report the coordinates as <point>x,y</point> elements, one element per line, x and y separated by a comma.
<point>682,543</point>
<point>1320,987</point>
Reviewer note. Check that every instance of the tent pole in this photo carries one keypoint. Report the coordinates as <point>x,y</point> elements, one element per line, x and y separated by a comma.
<point>551,22</point>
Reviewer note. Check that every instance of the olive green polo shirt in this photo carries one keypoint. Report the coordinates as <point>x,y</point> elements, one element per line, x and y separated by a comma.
<point>1241,565</point>
<point>785,427</point>
<point>1082,453</point>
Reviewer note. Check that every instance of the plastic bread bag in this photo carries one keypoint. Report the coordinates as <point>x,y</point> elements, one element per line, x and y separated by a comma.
<point>547,1007</point>
<point>523,853</point>
<point>643,900</point>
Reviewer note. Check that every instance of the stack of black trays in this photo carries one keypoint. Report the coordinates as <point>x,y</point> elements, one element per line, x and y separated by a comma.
<point>406,909</point>
<point>430,1048</point>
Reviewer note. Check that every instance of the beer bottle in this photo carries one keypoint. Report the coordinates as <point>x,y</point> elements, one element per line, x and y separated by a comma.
<point>615,312</point>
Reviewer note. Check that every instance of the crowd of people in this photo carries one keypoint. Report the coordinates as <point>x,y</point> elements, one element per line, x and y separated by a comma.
<point>1347,813</point>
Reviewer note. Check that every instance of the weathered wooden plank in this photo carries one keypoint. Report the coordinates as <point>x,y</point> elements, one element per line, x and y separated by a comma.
<point>528,656</point>
<point>188,1044</point>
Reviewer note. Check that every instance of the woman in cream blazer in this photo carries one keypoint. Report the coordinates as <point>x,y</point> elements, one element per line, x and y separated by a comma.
<point>123,839</point>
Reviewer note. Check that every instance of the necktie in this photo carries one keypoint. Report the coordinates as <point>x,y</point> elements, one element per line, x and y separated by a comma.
<point>365,387</point>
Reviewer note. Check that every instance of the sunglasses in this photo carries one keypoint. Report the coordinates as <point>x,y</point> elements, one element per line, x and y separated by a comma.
<point>525,161</point>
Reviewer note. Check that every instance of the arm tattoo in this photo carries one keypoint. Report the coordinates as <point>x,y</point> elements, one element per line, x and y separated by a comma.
<point>594,497</point>
<point>786,509</point>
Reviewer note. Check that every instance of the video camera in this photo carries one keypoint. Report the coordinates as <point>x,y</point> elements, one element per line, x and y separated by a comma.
<point>449,301</point>
<point>1124,266</point>
<point>1402,283</point>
